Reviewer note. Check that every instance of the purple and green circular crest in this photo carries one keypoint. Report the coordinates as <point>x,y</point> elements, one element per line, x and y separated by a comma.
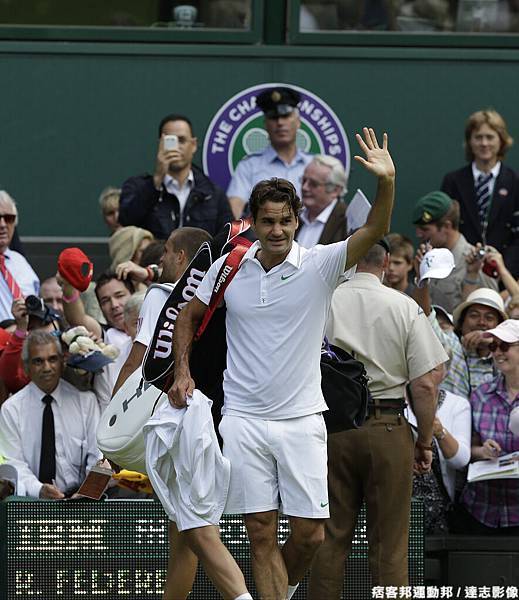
<point>237,130</point>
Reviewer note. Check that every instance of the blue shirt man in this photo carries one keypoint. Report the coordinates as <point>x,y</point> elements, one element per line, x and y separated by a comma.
<point>282,158</point>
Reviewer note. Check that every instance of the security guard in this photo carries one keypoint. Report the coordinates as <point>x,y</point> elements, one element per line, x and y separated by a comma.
<point>391,335</point>
<point>282,158</point>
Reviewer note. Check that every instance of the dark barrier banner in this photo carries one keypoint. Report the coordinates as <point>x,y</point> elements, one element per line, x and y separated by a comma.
<point>119,549</point>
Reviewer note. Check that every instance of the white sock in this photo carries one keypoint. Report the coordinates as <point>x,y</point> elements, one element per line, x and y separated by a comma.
<point>246,596</point>
<point>292,590</point>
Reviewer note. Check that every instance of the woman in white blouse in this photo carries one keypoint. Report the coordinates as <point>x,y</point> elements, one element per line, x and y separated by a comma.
<point>451,452</point>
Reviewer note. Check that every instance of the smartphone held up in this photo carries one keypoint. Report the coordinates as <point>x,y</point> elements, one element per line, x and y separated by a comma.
<point>170,142</point>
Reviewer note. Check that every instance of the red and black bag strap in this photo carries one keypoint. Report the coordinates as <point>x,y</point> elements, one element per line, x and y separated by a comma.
<point>227,271</point>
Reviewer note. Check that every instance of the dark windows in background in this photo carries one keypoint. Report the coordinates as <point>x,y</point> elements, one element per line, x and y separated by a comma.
<point>214,14</point>
<point>501,16</point>
<point>487,16</point>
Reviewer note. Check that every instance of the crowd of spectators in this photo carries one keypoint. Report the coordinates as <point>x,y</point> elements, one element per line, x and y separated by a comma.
<point>409,15</point>
<point>51,400</point>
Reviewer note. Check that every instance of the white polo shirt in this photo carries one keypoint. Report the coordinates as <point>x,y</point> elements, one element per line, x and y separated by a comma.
<point>275,325</point>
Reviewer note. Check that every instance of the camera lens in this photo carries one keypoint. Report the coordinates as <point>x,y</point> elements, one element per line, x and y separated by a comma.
<point>33,303</point>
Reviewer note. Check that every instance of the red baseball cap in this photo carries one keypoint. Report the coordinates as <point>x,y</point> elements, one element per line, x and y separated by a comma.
<point>75,266</point>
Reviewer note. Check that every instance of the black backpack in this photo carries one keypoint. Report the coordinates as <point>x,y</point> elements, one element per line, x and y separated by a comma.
<point>344,383</point>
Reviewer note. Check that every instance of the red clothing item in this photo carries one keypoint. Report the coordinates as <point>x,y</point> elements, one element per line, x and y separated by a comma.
<point>11,367</point>
<point>5,336</point>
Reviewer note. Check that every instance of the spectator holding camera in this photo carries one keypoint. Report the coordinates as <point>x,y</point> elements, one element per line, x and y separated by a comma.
<point>17,277</point>
<point>489,261</point>
<point>436,217</point>
<point>30,315</point>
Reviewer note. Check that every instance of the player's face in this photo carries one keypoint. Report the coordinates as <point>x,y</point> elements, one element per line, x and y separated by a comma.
<point>275,225</point>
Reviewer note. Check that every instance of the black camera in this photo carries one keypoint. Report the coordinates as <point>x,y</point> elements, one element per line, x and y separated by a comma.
<point>36,307</point>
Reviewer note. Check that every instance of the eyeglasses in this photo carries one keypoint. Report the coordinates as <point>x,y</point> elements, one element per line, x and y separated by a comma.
<point>503,346</point>
<point>9,219</point>
<point>312,182</point>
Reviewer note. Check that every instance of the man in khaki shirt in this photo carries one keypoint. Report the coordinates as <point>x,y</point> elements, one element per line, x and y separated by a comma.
<point>391,335</point>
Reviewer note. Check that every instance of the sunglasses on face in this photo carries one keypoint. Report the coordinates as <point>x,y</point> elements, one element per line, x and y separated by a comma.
<point>9,219</point>
<point>503,346</point>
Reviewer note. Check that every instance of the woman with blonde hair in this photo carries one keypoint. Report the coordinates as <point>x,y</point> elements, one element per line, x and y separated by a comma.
<point>127,244</point>
<point>109,203</point>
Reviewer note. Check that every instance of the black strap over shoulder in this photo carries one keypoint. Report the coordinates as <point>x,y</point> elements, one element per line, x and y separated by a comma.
<point>158,361</point>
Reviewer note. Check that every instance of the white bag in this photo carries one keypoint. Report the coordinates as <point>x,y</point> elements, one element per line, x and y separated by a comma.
<point>119,433</point>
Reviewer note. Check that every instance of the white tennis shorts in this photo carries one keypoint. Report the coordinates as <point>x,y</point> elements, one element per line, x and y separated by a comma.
<point>277,465</point>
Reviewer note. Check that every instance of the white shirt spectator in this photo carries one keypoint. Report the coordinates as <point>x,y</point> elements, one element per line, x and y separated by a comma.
<point>256,167</point>
<point>76,415</point>
<point>311,231</point>
<point>455,415</point>
<point>24,276</point>
<point>180,191</point>
<point>275,326</point>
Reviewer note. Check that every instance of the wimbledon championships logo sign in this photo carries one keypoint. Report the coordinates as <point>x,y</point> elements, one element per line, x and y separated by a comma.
<point>237,130</point>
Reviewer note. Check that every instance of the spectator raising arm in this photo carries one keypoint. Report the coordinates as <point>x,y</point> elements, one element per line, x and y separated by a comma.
<point>74,308</point>
<point>377,161</point>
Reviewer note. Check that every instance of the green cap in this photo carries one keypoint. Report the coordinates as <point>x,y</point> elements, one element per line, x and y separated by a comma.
<point>431,207</point>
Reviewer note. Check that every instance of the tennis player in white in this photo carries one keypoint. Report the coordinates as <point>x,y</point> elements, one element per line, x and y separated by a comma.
<point>273,430</point>
<point>202,541</point>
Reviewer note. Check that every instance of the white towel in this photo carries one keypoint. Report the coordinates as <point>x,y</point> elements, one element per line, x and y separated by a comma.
<point>185,465</point>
